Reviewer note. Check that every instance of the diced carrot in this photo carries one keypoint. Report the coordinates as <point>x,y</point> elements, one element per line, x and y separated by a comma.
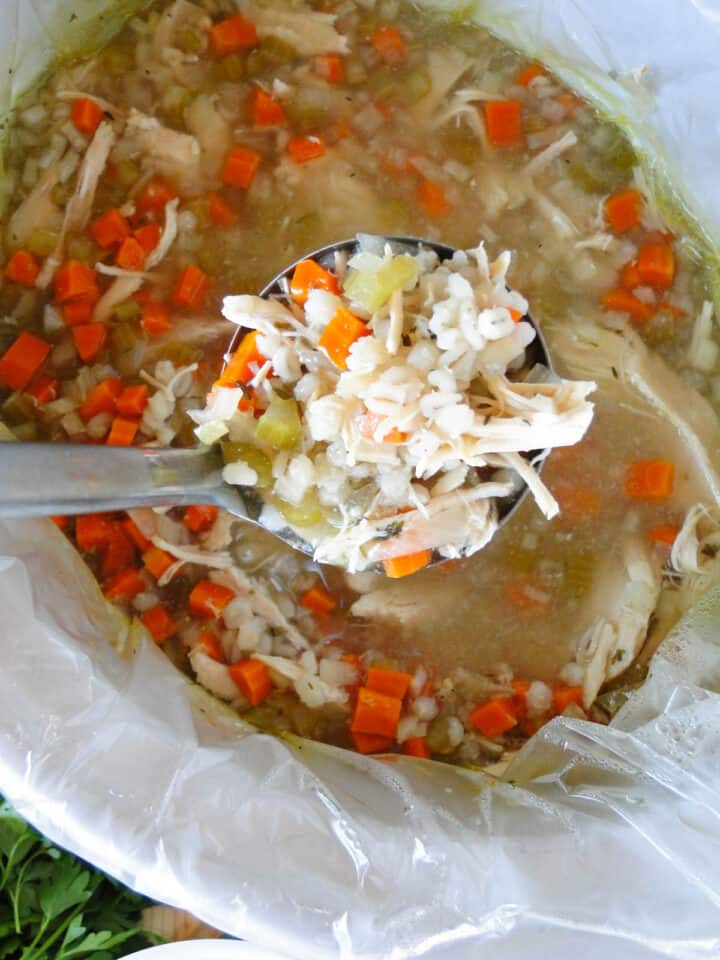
<point>665,534</point>
<point>89,339</point>
<point>253,679</point>
<point>376,713</point>
<point>22,361</point>
<point>265,111</point>
<point>340,334</point>
<point>519,696</point>
<point>60,522</point>
<point>622,301</point>
<point>221,213</point>
<point>158,622</point>
<point>309,275</point>
<point>102,398</point>
<point>515,315</point>
<point>110,229</point>
<point>191,288</point>
<point>92,532</point>
<point>132,401</point>
<point>370,742</point>
<point>243,364</point>
<point>431,197</point>
<point>43,390</point>
<point>74,279</point>
<point>232,35</point>
<point>503,122</point>
<point>130,255</point>
<point>157,561</point>
<point>240,166</point>
<point>623,209</point>
<point>390,46</point>
<point>200,517</point>
<point>522,595</point>
<point>118,554</point>
<point>210,646</point>
<point>656,265</point>
<point>369,423</point>
<point>148,236</point>
<point>80,310</point>
<point>393,683</point>
<point>525,77</point>
<point>122,432</point>
<point>303,149</point>
<point>22,268</point>
<point>86,115</point>
<point>154,196</point>
<point>155,318</point>
<point>494,717</point>
<point>397,567</point>
<point>209,599</point>
<point>124,585</point>
<point>135,534</point>
<point>417,747</point>
<point>629,276</point>
<point>318,599</point>
<point>564,696</point>
<point>650,479</point>
<point>329,67</point>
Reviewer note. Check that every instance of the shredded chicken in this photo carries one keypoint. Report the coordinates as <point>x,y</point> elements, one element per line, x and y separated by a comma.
<point>37,211</point>
<point>80,205</point>
<point>623,598</point>
<point>308,31</point>
<point>168,152</point>
<point>589,350</point>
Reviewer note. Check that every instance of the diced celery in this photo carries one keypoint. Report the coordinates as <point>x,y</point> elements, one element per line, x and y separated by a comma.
<point>271,53</point>
<point>18,408</point>
<point>118,61</point>
<point>127,172</point>
<point>61,193</point>
<point>584,178</point>
<point>127,310</point>
<point>182,353</point>
<point>280,425</point>
<point>41,242</point>
<point>189,40</point>
<point>81,248</point>
<point>254,458</point>
<point>124,337</point>
<point>233,68</point>
<point>414,86</point>
<point>270,715</point>
<point>579,569</point>
<point>308,513</point>
<point>373,288</point>
<point>26,431</point>
<point>438,736</point>
<point>534,123</point>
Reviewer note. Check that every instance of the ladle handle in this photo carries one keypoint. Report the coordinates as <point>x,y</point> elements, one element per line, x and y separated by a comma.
<point>42,479</point>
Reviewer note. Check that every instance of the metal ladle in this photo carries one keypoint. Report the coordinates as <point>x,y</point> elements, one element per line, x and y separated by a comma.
<point>43,479</point>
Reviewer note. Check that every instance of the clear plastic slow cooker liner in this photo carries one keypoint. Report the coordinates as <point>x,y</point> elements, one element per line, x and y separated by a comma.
<point>600,838</point>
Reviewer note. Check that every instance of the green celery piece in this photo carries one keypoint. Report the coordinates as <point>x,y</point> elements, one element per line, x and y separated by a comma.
<point>373,289</point>
<point>279,427</point>
<point>254,458</point>
<point>308,513</point>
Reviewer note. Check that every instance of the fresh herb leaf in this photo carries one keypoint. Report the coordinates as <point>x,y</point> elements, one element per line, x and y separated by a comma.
<point>55,907</point>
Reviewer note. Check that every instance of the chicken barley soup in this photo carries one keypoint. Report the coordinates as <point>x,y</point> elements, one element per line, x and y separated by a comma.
<point>166,179</point>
